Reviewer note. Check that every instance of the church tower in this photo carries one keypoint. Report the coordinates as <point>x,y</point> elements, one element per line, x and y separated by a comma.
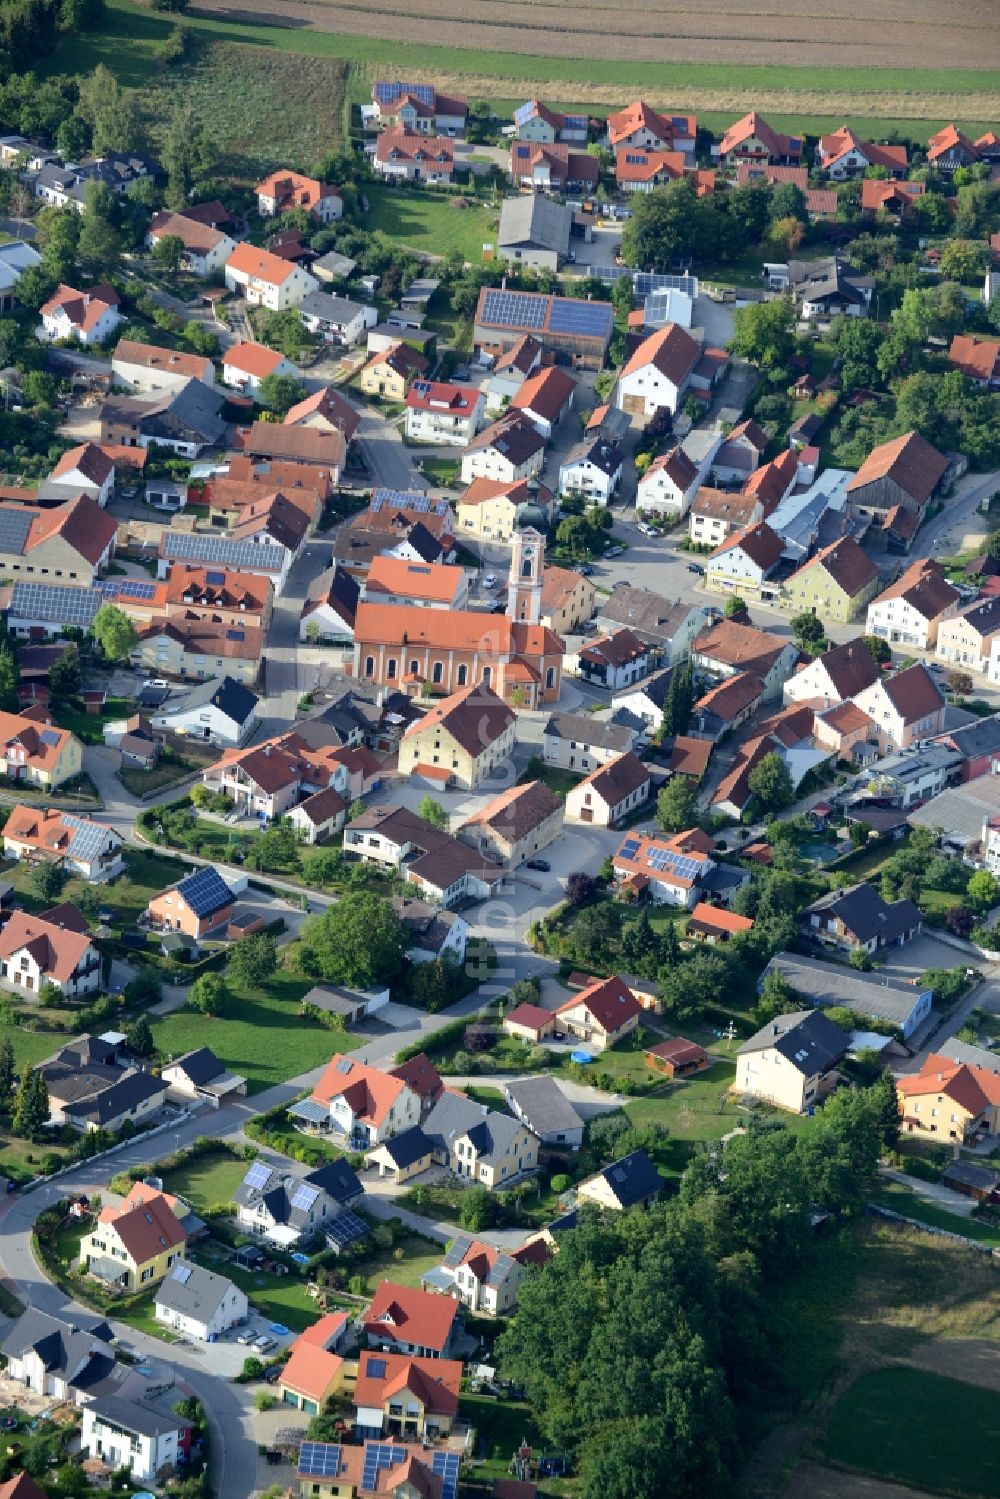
<point>524,587</point>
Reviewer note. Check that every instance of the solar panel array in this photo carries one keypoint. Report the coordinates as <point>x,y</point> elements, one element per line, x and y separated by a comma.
<point>347,1229</point>
<point>375,1368</point>
<point>380,1455</point>
<point>407,499</point>
<point>319,1460</point>
<point>679,864</point>
<point>189,546</point>
<point>646,282</point>
<point>44,601</point>
<point>587,319</point>
<point>458,1250</point>
<point>524,112</point>
<point>257,1177</point>
<point>205,891</point>
<point>303,1198</point>
<point>14,528</point>
<point>127,588</point>
<point>181,1273</point>
<point>446,1465</point>
<point>49,737</point>
<point>388,93</point>
<point>88,837</point>
<point>515,309</point>
<point>629,848</point>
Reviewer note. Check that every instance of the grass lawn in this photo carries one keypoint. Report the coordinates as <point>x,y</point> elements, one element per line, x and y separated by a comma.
<point>19,1159</point>
<point>206,1181</point>
<point>902,1199</point>
<point>429,221</point>
<point>905,1425</point>
<point>491,1098</point>
<point>558,780</point>
<point>279,1298</point>
<point>169,768</point>
<point>260,1034</point>
<point>502,1426</point>
<point>416,1255</point>
<point>146,873</point>
<point>89,727</point>
<point>441,472</point>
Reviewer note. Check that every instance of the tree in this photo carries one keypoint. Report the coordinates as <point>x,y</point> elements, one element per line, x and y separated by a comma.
<point>581,888</point>
<point>734,606</point>
<point>253,960</point>
<point>638,946</point>
<point>750,206</point>
<point>99,248</point>
<point>279,393</point>
<point>186,154</point>
<point>177,7</point>
<point>31,1107</point>
<point>139,1037</point>
<point>764,333</point>
<point>274,847</point>
<point>477,1209</point>
<point>959,920</point>
<point>433,812</point>
<point>786,235</point>
<point>777,997</point>
<point>982,891</point>
<point>47,879</point>
<point>877,648</point>
<point>962,260</point>
<point>808,630</point>
<point>677,805</point>
<point>168,252</point>
<point>680,700</point>
<point>208,993</point>
<point>360,942</point>
<point>6,1071</point>
<point>858,342</point>
<point>114,632</point>
<point>687,988</point>
<point>672,223</point>
<point>770,783</point>
<point>788,202</point>
<point>10,675</point>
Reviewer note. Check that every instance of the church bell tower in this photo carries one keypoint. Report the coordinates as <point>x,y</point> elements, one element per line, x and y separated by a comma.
<point>524,587</point>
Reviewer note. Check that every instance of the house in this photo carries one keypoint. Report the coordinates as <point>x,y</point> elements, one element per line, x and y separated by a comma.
<point>753,139</point>
<point>521,661</point>
<point>978,744</point>
<point>948,149</point>
<point>838,676</point>
<point>320,815</point>
<point>315,1371</point>
<point>216,712</point>
<point>36,951</point>
<point>436,863</point>
<point>552,169</point>
<point>206,249</point>
<point>858,918</point>
<point>329,610</point>
<point>592,469</point>
<point>69,542</point>
<point>828,288</point>
<point>469,733</point>
<point>89,317</point>
<point>487,1147</point>
<point>774,481</point>
<point>905,707</point>
<point>491,509</point>
<point>507,451</point>
<point>57,1359</point>
<point>93,1084</point>
<point>35,753</point>
<point>418,106</point>
<point>272,776</point>
<point>200,1076</point>
<point>739,454</point>
<point>669,485</point>
<point>403,1157</point>
<point>540,1103</point>
<point>185,419</point>
<point>535,121</point>
<point>869,996</point>
<point>744,561</point>
<point>667,869</point>
<point>484,1279</point>
<point>672,628</point>
<point>952,1100</point>
<point>189,646</point>
<point>677,1058</point>
<point>640,171</point>
<point>245,365</point>
<point>609,793</point>
<point>614,661</point>
<point>835,584</point>
<point>16,257</point>
<point>545,398</point>
<point>602,1014</point>
<point>76,844</point>
<point>442,413</point>
<point>529,1023</point>
<point>149,1442</point>
<point>630,1182</point>
<point>146,368</point>
<point>283,190</point>
<point>658,373</point>
<point>402,1319</point>
<point>728,648</point>
<point>433,934</point>
<point>412,156</point>
<point>977,358</point>
<point>267,280</point>
<point>516,825</point>
<point>844,154</point>
<point>646,699</point>
<point>906,471</point>
<point>968,638</point>
<point>198,1303</point>
<point>913,775</point>
<point>273,520</point>
<point>194,905</point>
<point>912,609</point>
<point>535,231</point>
<point>573,334</point>
<point>326,412</point>
<point>86,469</point>
<point>224,555</point>
<point>390,373</point>
<point>337,320</point>
<point>405,1397</point>
<point>639,127</point>
<point>137,1244</point>
<point>895,199</point>
<point>361,1103</point>
<point>792,1061</point>
<point>286,1210</point>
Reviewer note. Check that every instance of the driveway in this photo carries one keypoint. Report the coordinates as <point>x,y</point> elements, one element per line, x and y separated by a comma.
<point>908,962</point>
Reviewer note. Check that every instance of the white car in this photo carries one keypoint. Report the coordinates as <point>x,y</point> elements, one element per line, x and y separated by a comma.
<point>490,580</point>
<point>156,682</point>
<point>645,529</point>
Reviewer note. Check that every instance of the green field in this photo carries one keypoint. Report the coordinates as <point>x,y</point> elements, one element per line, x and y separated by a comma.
<point>434,224</point>
<point>906,1425</point>
<point>207,1181</point>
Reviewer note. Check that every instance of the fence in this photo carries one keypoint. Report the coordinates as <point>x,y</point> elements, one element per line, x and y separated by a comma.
<point>877,1211</point>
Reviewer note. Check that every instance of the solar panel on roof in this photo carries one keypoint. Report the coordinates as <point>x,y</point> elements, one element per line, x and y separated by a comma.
<point>14,528</point>
<point>257,1177</point>
<point>304,1198</point>
<point>205,891</point>
<point>49,602</point>
<point>216,579</point>
<point>190,546</point>
<point>406,499</point>
<point>375,1368</point>
<point>629,849</point>
<point>524,112</point>
<point>446,1465</point>
<point>347,1229</point>
<point>388,93</point>
<point>319,1459</point>
<point>380,1455</point>
<point>457,1252</point>
<point>128,588</point>
<point>588,319</point>
<point>181,1273</point>
<point>49,737</point>
<point>512,309</point>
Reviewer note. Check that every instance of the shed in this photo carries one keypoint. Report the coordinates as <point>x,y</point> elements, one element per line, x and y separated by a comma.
<point>980,1182</point>
<point>677,1057</point>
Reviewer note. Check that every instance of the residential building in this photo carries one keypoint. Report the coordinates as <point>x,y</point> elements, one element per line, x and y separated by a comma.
<point>828,288</point>
<point>150,1442</point>
<point>602,1014</point>
<point>272,776</point>
<point>792,1061</point>
<point>389,373</point>
<point>669,485</point>
<point>552,169</point>
<point>320,816</point>
<point>667,869</point>
<point>425,585</point>
<point>199,1304</point>
<point>869,996</point>
<point>93,1084</point>
<point>916,774</point>
<point>889,197</point>
<point>57,1359</point>
<point>567,600</point>
<point>839,675</point>
<point>469,734</point>
<point>560,325</point>
<point>835,584</point>
<point>199,1076</point>
<point>535,230</point>
<point>145,368</point>
<point>337,320</point>
<point>285,1210</point>
<point>963,820</point>
<point>16,256</point>
<point>857,918</point>
<point>979,745</point>
<point>582,742</point>
<point>639,127</point>
<point>491,509</point>
<point>413,156</point>
<point>753,139</point>
<point>614,661</point>
<point>739,454</point>
<point>954,1101</point>
<point>516,825</point>
<point>507,451</point>
<point>844,154</point>
<point>245,365</point>
<point>948,149</point>
<point>774,481</point>
<point>283,190</point>
<point>215,712</point>
<point>314,1373</point>
<point>90,317</point>
<point>70,542</point>
<point>433,934</point>
<point>443,413</point>
<point>658,373</point>
<point>363,1104</point>
<point>86,469</point>
<point>541,1104</point>
<point>744,562</point>
<point>535,121</point>
<point>646,699</point>
<point>977,358</point>
<point>912,609</point>
<point>630,1182</point>
<point>419,107</point>
<point>40,950</point>
<point>485,1146</point>
<point>137,1244</point>
<point>906,471</point>
<point>670,627</point>
<point>190,646</point>
<point>402,1319</point>
<point>195,905</point>
<point>325,411</point>
<point>484,1279</point>
<point>728,648</point>
<point>967,638</point>
<point>76,844</point>
<point>267,280</point>
<point>592,469</point>
<point>406,1398</point>
<point>444,868</point>
<point>905,708</point>
<point>639,171</point>
<point>206,249</point>
<point>545,397</point>
<point>727,706</point>
<point>300,442</point>
<point>330,608</point>
<point>609,793</point>
<point>185,419</point>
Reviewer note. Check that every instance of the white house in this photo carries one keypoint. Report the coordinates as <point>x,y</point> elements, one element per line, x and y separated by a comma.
<point>337,320</point>
<point>219,711</point>
<point>266,279</point>
<point>86,469</point>
<point>546,397</point>
<point>911,608</point>
<point>147,369</point>
<point>511,448</point>
<point>206,250</point>
<point>658,373</point>
<point>15,258</point>
<point>441,413</point>
<point>284,190</point>
<point>411,156</point>
<point>245,365</point>
<point>134,1435</point>
<point>592,469</point>
<point>669,485</point>
<point>743,563</point>
<point>88,316</point>
<point>198,1303</point>
<point>838,676</point>
<point>905,708</point>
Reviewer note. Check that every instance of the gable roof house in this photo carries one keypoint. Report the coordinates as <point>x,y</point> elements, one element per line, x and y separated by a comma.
<point>535,121</point>
<point>194,905</point>
<point>337,320</point>
<point>71,541</point>
<point>592,468</point>
<point>839,675</point>
<point>668,870</point>
<point>441,866</point>
<point>567,599</point>
<point>867,995</point>
<point>402,1319</point>
<point>837,583</point>
<point>658,373</point>
<point>631,1181</point>
<point>844,154</point>
<point>329,610</point>
<point>315,1372</point>
<point>977,358</point>
<point>245,365</point>
<point>858,918</point>
<point>198,1303</point>
<point>552,168</point>
<point>602,1014</point>
<point>443,413</point>
<point>744,562</point>
<point>641,127</point>
<point>727,705</point>
<point>89,316</point>
<point>135,1245</point>
<point>609,793</point>
<point>535,230</point>
<point>478,1143</point>
<point>87,469</point>
<point>419,106</point>
<point>669,485</point>
<point>200,1075</point>
<point>671,627</point>
<point>516,825</point>
<point>828,288</point>
<point>206,249</point>
<point>433,934</point>
<point>905,471</point>
<point>35,951</point>
<point>76,844</point>
<point>905,707</point>
<point>414,156</point>
<point>185,419</point>
<point>407,1398</point>
<point>508,450</point>
<point>912,609</point>
<point>484,1279</point>
<point>581,741</point>
<point>267,280</point>
<point>390,372</point>
<point>614,661</point>
<point>57,1359</point>
<point>146,368</point>
<point>792,1061</point>
<point>363,1104</point>
<point>286,1210</point>
<point>950,1100</point>
<point>466,735</point>
<point>283,190</point>
<point>728,648</point>
<point>639,171</point>
<point>545,397</point>
<point>753,139</point>
<point>948,149</point>
<point>968,638</point>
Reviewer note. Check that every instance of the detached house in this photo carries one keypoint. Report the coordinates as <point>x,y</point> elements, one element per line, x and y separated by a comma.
<point>284,190</point>
<point>602,1014</point>
<point>408,1399</point>
<point>146,1440</point>
<point>753,139</point>
<point>743,563</point>
<point>844,154</point>
<point>245,365</point>
<point>837,676</point>
<point>197,904</point>
<point>418,106</point>
<point>146,368</point>
<point>728,648</point>
<point>337,320</point>
<point>78,845</point>
<point>545,398</point>
<point>442,413</point>
<point>630,1182</point>
<point>266,280</point>
<point>490,509</point>
<point>534,121</point>
<point>912,609</point>
<point>198,1303</point>
<point>287,1210</point>
<point>552,169</point>
<point>859,919</point>
<point>40,950</point>
<point>658,373</point>
<point>462,739</point>
<point>88,316</point>
<point>948,149</point>
<point>950,1100</point>
<point>507,451</point>
<point>87,469</point>
<point>315,1372</point>
<point>390,373</point>
<point>412,156</point>
<point>579,741</point>
<point>361,1104</point>
<point>667,870</point>
<point>206,249</point>
<point>836,584</point>
<point>639,127</point>
<point>592,469</point>
<point>485,1146</point>
<point>609,793</point>
<point>669,485</point>
<point>906,707</point>
<point>135,1245</point>
<point>441,866</point>
<point>402,1319</point>
<point>614,661</point>
<point>639,171</point>
<point>977,358</point>
<point>792,1061</point>
<point>484,1279</point>
<point>516,825</point>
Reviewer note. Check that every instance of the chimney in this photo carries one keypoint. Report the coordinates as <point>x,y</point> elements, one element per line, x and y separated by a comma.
<point>267,750</point>
<point>774,1029</point>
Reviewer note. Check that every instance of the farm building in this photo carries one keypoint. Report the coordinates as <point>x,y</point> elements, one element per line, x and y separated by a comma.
<point>575,332</point>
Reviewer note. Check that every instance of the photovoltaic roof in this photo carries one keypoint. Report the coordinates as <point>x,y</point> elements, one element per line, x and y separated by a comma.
<point>538,312</point>
<point>515,309</point>
<point>446,1465</point>
<point>50,603</point>
<point>186,546</point>
<point>14,528</point>
<point>257,1177</point>
<point>380,1455</point>
<point>205,892</point>
<point>127,588</point>
<point>388,93</point>
<point>319,1460</point>
<point>592,319</point>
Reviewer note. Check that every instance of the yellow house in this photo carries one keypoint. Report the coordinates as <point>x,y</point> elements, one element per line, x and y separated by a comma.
<point>516,825</point>
<point>465,736</point>
<point>489,508</point>
<point>567,599</point>
<point>135,1245</point>
<point>36,753</point>
<point>397,1395</point>
<point>791,1061</point>
<point>837,584</point>
<point>631,1181</point>
<point>389,375</point>
<point>314,1372</point>
<point>403,1157</point>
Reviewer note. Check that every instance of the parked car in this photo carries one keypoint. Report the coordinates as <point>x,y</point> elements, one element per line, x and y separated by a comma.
<point>695,567</point>
<point>541,864</point>
<point>615,551</point>
<point>645,529</point>
<point>263,1344</point>
<point>245,1339</point>
<point>584,569</point>
<point>490,580</point>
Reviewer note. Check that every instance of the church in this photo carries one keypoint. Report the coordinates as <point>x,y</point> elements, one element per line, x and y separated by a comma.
<point>437,651</point>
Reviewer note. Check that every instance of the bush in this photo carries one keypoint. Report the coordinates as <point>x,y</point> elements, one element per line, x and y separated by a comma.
<point>253,1368</point>
<point>561,1183</point>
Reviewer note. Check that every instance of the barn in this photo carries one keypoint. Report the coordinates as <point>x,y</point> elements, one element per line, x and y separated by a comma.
<point>573,331</point>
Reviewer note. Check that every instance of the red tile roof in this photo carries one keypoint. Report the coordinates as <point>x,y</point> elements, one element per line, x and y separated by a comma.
<point>57,950</point>
<point>546,393</point>
<point>253,359</point>
<point>531,1017</point>
<point>910,461</point>
<point>670,349</point>
<point>146,1229</point>
<point>422,1076</point>
<point>979,358</point>
<point>310,1371</point>
<point>610,1003</point>
<point>434,1382</point>
<point>419,1318</point>
<point>717,919</point>
<point>370,1092</point>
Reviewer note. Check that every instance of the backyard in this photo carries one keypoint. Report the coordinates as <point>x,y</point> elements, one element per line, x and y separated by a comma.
<point>900,1198</point>
<point>431,222</point>
<point>207,1182</point>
